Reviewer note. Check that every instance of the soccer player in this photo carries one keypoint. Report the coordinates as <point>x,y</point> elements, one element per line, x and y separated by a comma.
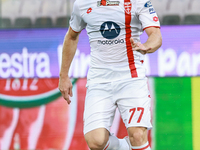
<point>116,78</point>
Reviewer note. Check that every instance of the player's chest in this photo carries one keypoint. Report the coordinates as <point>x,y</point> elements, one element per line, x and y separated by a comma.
<point>111,11</point>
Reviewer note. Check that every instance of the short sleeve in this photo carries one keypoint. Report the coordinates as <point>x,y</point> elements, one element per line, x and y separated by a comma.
<point>76,22</point>
<point>146,14</point>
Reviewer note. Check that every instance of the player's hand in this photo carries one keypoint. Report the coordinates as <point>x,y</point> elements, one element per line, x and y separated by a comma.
<point>65,87</point>
<point>137,46</point>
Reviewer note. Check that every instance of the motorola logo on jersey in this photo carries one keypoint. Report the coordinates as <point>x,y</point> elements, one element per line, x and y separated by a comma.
<point>110,30</point>
<point>111,42</point>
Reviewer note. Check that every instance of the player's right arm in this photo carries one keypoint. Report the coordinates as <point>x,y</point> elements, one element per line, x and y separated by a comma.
<point>69,50</point>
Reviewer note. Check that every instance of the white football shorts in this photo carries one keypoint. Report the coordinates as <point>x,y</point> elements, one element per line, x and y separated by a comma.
<point>130,96</point>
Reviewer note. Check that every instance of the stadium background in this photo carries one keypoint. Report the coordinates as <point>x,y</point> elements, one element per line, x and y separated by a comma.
<point>33,114</point>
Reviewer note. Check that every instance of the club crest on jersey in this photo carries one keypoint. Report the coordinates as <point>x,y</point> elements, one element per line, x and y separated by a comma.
<point>128,6</point>
<point>107,3</point>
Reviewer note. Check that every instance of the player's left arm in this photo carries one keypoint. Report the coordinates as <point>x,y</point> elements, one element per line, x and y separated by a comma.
<point>153,42</point>
<point>154,39</point>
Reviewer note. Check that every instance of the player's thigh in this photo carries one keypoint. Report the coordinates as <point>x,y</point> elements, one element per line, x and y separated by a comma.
<point>99,107</point>
<point>134,105</point>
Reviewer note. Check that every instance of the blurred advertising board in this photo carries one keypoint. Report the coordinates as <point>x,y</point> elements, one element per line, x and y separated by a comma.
<point>32,119</point>
<point>176,113</point>
<point>36,53</point>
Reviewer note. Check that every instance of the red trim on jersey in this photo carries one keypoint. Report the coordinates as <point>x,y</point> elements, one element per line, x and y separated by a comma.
<point>128,43</point>
<point>106,146</point>
<point>142,148</point>
<point>151,26</point>
<point>75,31</point>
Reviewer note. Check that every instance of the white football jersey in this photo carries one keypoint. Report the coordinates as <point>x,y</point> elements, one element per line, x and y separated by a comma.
<point>110,25</point>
